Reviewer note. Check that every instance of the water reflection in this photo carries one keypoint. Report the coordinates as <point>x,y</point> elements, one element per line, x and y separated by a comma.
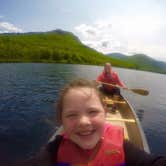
<point>140,114</point>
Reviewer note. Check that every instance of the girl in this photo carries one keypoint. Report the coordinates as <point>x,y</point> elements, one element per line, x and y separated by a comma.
<point>87,139</point>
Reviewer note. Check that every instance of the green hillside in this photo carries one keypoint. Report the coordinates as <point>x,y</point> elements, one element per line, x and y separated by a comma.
<point>53,47</point>
<point>63,47</point>
<point>141,62</point>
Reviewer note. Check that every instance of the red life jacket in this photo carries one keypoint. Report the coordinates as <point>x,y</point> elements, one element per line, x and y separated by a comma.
<point>110,153</point>
<point>112,80</point>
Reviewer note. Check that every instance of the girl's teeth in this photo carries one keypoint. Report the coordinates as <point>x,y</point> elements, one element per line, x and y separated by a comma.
<point>86,133</point>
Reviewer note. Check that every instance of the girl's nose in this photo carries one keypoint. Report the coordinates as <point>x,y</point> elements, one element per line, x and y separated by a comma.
<point>84,120</point>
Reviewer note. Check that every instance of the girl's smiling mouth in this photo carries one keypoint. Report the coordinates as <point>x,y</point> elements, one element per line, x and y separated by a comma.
<point>85,133</point>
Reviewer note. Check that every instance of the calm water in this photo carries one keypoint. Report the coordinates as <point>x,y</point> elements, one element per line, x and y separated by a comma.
<point>28,91</point>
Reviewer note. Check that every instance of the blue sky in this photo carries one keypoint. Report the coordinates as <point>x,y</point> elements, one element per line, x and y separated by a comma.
<point>126,26</point>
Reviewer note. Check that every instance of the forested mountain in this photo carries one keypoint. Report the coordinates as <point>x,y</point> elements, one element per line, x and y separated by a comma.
<point>141,61</point>
<point>56,46</point>
<point>60,46</point>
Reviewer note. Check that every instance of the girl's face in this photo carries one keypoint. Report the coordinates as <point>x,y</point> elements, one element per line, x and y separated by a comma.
<point>83,117</point>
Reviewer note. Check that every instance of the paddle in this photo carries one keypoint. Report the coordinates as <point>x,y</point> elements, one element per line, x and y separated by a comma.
<point>138,91</point>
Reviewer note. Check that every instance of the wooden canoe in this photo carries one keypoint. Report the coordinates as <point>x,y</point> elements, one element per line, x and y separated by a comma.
<point>125,116</point>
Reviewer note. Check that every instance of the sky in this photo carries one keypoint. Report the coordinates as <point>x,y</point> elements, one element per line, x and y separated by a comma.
<point>124,26</point>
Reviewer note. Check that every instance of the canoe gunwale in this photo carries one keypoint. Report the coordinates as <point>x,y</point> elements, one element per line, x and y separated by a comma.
<point>144,140</point>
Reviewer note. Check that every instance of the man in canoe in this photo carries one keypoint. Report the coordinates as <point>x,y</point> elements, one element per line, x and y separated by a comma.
<point>110,80</point>
<point>87,139</point>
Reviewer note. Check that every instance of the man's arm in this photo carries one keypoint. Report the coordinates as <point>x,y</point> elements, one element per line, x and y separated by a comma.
<point>119,82</point>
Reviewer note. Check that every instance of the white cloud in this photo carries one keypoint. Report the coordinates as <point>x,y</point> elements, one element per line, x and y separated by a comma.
<point>133,34</point>
<point>6,27</point>
<point>99,36</point>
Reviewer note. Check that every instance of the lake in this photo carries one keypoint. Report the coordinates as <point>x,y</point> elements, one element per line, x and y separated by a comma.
<point>28,92</point>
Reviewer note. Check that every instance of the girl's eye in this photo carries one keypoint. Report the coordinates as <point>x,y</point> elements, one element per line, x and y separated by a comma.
<point>93,112</point>
<point>71,115</point>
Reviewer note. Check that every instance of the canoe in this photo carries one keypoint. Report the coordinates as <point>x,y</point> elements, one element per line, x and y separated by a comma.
<point>125,116</point>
